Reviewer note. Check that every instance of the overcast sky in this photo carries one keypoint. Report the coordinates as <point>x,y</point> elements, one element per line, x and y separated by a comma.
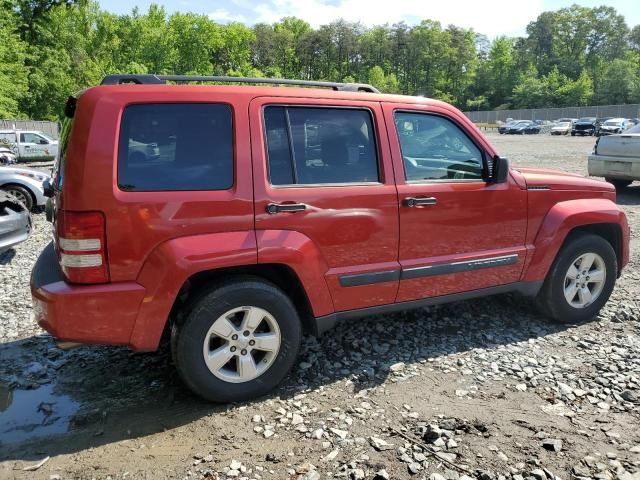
<point>491,17</point>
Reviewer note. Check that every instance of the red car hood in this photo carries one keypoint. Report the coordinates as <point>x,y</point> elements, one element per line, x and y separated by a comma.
<point>555,180</point>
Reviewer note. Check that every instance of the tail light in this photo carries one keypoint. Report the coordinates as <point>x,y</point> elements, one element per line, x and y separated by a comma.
<point>82,247</point>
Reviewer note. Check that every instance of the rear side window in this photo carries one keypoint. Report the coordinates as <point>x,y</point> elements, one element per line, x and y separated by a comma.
<point>312,146</point>
<point>7,138</point>
<point>179,146</point>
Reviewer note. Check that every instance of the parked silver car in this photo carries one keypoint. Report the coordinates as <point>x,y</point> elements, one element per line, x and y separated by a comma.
<point>617,158</point>
<point>25,184</point>
<point>15,222</point>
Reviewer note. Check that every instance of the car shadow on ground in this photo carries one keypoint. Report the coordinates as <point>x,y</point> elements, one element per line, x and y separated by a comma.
<point>629,195</point>
<point>7,256</point>
<point>54,402</point>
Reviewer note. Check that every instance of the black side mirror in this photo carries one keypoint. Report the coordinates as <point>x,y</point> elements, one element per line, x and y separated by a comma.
<point>500,170</point>
<point>47,188</point>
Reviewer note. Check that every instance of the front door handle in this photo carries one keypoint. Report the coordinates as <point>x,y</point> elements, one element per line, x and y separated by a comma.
<point>419,202</point>
<point>273,208</point>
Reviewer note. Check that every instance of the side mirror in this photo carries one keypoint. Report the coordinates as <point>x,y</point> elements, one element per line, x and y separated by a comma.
<point>47,188</point>
<point>500,170</point>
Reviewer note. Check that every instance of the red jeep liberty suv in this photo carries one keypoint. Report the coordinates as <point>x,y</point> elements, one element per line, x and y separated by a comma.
<point>237,217</point>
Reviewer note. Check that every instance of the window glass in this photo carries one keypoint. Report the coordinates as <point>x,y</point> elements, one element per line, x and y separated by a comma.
<point>320,146</point>
<point>30,138</point>
<point>184,146</point>
<point>434,148</point>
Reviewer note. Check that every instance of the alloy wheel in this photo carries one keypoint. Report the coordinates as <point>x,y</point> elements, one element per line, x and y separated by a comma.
<point>584,280</point>
<point>242,344</point>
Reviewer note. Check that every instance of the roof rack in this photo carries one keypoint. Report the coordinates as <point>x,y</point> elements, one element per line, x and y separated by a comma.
<point>149,79</point>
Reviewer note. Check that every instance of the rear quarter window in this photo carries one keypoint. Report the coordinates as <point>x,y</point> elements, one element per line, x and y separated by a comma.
<point>170,147</point>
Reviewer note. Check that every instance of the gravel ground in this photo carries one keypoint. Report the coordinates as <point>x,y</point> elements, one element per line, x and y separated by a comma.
<point>484,389</point>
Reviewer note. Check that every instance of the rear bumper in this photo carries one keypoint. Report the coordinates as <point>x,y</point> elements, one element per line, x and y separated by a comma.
<point>624,168</point>
<point>101,314</point>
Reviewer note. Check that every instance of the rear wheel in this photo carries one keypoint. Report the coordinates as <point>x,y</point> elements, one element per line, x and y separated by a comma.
<point>619,183</point>
<point>580,280</point>
<point>238,341</point>
<point>22,194</point>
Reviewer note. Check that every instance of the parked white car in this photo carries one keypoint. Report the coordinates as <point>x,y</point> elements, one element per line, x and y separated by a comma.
<point>561,128</point>
<point>30,144</point>
<point>25,184</point>
<point>617,158</point>
<point>613,126</point>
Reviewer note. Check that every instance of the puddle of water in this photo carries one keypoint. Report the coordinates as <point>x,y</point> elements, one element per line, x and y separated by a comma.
<point>27,414</point>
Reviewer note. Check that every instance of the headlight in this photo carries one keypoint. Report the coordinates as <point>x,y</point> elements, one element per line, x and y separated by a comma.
<point>35,176</point>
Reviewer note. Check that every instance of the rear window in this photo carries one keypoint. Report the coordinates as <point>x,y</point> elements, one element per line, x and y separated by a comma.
<point>170,147</point>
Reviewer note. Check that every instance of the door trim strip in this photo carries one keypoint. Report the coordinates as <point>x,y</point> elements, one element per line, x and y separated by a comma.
<point>369,278</point>
<point>457,267</point>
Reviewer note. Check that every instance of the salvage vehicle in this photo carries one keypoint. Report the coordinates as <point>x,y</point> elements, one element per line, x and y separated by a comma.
<point>613,126</point>
<point>15,222</point>
<point>561,128</point>
<point>617,158</point>
<point>29,145</point>
<point>26,184</point>
<point>584,126</point>
<point>7,156</point>
<point>504,128</point>
<point>275,211</point>
<point>599,122</point>
<point>525,127</point>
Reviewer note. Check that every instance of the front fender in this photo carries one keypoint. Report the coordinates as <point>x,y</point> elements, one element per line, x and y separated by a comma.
<point>170,265</point>
<point>564,217</point>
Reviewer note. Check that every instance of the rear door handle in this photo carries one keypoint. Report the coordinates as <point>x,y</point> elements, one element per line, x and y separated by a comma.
<point>273,208</point>
<point>419,202</point>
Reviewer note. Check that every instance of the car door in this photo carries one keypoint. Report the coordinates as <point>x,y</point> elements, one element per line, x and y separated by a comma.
<point>323,177</point>
<point>458,232</point>
<point>31,145</point>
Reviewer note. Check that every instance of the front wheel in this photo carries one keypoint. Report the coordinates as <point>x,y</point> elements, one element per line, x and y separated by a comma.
<point>22,194</point>
<point>580,281</point>
<point>238,341</point>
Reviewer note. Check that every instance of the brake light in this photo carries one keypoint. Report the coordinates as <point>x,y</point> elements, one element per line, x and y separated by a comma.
<point>82,247</point>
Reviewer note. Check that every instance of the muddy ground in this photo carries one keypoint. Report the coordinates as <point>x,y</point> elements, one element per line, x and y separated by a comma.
<point>485,389</point>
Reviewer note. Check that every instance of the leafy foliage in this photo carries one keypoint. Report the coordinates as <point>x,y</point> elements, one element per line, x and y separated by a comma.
<point>572,56</point>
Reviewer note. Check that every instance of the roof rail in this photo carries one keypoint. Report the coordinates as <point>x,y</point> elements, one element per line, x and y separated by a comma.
<point>149,79</point>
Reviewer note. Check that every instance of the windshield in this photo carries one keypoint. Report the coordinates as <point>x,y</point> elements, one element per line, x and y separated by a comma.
<point>613,122</point>
<point>562,124</point>
<point>635,129</point>
<point>587,120</point>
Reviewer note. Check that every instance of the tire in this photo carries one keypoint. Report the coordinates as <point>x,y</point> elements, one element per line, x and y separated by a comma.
<point>573,134</point>
<point>552,300</point>
<point>230,301</point>
<point>22,194</point>
<point>619,183</point>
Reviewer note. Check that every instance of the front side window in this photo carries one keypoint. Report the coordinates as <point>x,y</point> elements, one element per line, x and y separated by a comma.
<point>179,146</point>
<point>31,138</point>
<point>308,146</point>
<point>434,148</point>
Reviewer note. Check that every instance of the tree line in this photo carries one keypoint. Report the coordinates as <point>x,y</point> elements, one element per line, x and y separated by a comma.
<point>572,56</point>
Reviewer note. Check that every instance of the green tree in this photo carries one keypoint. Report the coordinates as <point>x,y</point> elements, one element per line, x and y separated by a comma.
<point>14,73</point>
